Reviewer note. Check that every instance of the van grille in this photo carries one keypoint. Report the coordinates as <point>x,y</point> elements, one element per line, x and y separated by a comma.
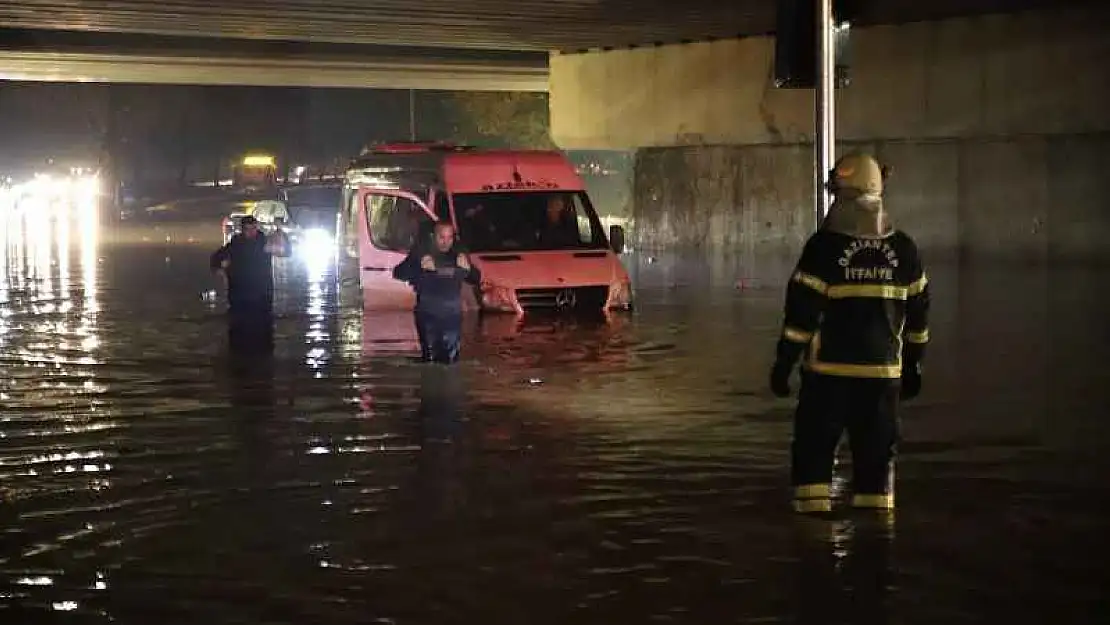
<point>582,297</point>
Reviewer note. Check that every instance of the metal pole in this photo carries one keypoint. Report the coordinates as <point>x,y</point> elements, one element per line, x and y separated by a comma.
<point>830,105</point>
<point>824,144</point>
<point>412,115</point>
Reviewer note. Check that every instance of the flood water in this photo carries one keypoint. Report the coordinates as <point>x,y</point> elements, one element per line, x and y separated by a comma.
<point>630,471</point>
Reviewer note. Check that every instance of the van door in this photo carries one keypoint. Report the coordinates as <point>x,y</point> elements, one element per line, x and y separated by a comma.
<point>347,226</point>
<point>389,223</point>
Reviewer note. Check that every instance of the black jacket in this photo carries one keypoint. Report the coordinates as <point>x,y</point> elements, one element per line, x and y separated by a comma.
<point>859,306</point>
<point>439,291</point>
<point>250,279</point>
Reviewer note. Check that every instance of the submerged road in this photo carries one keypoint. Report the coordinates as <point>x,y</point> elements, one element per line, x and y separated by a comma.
<point>565,472</point>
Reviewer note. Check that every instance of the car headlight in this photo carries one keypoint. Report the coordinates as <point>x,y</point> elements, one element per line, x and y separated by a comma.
<point>620,295</point>
<point>499,298</point>
<point>316,244</point>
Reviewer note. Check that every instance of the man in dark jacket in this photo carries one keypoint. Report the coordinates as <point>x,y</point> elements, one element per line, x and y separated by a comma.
<point>857,305</point>
<point>245,263</point>
<point>437,273</point>
<point>560,229</point>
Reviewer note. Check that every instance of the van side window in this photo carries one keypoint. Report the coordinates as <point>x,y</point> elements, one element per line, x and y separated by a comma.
<point>585,227</point>
<point>394,222</point>
<point>442,208</point>
<point>349,226</point>
<point>378,208</point>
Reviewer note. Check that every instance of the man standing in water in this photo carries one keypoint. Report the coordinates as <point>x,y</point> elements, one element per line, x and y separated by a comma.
<point>437,274</point>
<point>245,263</point>
<point>858,304</point>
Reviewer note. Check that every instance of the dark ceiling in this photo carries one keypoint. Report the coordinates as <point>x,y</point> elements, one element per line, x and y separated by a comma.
<point>520,25</point>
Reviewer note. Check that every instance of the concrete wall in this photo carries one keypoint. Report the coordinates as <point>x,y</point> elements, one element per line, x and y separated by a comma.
<point>1031,198</point>
<point>998,130</point>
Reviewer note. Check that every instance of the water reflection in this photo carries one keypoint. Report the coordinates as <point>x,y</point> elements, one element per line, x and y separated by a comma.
<point>320,310</point>
<point>844,570</point>
<point>51,413</point>
<point>440,417</point>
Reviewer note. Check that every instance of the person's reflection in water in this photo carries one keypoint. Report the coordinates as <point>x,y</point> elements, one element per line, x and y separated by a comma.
<point>258,530</point>
<point>252,377</point>
<point>844,569</point>
<point>439,419</point>
<point>441,479</point>
<point>252,391</point>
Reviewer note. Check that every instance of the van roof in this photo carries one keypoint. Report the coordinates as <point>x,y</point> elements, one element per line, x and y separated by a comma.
<point>510,170</point>
<point>408,147</point>
<point>472,171</point>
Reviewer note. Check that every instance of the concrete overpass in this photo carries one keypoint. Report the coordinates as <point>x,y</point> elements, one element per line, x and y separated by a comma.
<point>438,44</point>
<point>435,44</point>
<point>994,121</point>
<point>43,55</point>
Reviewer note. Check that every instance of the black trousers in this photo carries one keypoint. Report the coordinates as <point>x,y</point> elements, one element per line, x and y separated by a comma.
<point>440,335</point>
<point>827,407</point>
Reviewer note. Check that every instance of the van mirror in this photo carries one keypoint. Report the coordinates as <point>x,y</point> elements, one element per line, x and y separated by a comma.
<point>616,238</point>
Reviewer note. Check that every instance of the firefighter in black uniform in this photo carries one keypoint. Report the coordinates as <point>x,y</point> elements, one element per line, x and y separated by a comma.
<point>857,305</point>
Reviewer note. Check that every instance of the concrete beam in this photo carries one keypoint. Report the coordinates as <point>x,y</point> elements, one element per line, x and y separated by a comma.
<point>996,75</point>
<point>366,73</point>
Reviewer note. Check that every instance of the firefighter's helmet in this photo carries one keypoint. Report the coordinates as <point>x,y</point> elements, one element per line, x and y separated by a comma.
<point>859,172</point>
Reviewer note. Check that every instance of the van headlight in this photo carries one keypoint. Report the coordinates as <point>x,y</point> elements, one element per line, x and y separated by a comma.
<point>620,295</point>
<point>499,298</point>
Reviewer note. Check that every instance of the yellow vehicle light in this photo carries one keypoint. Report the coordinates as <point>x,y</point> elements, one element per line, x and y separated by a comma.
<point>259,161</point>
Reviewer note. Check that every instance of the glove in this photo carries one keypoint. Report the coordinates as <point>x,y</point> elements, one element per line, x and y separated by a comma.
<point>911,381</point>
<point>786,354</point>
<point>780,379</point>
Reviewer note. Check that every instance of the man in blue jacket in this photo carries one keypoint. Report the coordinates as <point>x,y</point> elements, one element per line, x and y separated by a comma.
<point>437,273</point>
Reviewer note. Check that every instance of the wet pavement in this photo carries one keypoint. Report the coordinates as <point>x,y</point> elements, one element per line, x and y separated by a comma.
<point>630,471</point>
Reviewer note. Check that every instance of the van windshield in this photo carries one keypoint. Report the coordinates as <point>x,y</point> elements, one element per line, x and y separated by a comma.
<point>315,197</point>
<point>313,218</point>
<point>528,220</point>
